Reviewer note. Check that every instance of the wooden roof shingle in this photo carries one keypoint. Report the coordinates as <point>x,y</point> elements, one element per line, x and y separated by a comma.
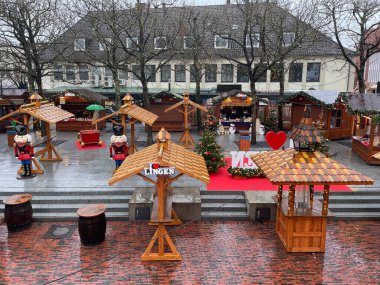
<point>139,114</point>
<point>183,160</point>
<point>291,167</point>
<point>46,112</point>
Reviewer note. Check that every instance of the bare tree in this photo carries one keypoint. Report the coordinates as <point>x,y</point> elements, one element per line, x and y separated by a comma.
<point>245,26</point>
<point>196,46</point>
<point>29,32</point>
<point>100,21</point>
<point>294,31</point>
<point>151,31</point>
<point>355,24</point>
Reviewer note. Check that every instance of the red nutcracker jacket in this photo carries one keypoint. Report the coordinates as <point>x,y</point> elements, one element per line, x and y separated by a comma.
<point>24,152</point>
<point>118,152</point>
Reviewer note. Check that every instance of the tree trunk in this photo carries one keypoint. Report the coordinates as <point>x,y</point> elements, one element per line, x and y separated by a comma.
<point>39,86</point>
<point>281,97</point>
<point>117,90</point>
<point>253,111</point>
<point>198,100</point>
<point>30,85</point>
<point>149,137</point>
<point>361,81</point>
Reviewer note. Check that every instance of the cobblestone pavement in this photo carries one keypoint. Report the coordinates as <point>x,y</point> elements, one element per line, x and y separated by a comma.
<point>214,252</point>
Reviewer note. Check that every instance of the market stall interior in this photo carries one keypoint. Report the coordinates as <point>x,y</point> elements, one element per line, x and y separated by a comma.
<point>76,101</point>
<point>366,133</point>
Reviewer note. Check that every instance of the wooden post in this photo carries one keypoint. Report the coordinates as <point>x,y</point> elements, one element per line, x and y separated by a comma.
<point>311,189</point>
<point>292,190</point>
<point>49,149</point>
<point>279,192</point>
<point>133,147</point>
<point>326,192</point>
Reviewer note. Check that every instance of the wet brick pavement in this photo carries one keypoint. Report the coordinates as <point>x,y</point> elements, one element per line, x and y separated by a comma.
<point>214,252</point>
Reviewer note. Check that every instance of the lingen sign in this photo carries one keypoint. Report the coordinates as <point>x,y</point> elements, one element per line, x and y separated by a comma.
<point>155,169</point>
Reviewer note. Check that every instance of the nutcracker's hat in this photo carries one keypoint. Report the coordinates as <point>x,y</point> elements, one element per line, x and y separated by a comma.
<point>118,130</point>
<point>21,130</point>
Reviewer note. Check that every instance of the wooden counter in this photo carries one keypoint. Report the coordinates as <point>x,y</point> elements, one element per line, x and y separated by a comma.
<point>78,125</point>
<point>365,150</point>
<point>301,231</point>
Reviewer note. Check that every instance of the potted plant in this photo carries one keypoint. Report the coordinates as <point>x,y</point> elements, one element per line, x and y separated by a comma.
<point>245,173</point>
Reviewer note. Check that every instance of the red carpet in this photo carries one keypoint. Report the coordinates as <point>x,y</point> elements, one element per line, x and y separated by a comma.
<point>222,180</point>
<point>90,146</point>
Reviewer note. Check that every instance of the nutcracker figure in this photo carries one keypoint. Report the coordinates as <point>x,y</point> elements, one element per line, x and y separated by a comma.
<point>119,146</point>
<point>24,151</point>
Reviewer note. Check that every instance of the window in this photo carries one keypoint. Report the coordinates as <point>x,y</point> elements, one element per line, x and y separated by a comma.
<point>160,43</point>
<point>227,73</point>
<point>150,73</point>
<point>136,70</point>
<point>193,73</point>
<point>255,38</point>
<point>180,73</point>
<point>313,71</point>
<point>262,69</point>
<point>275,73</point>
<point>188,42</point>
<point>288,39</point>
<point>166,73</point>
<point>80,44</point>
<point>132,42</point>
<point>103,45</point>
<point>58,72</point>
<point>122,74</point>
<point>336,119</point>
<point>221,41</point>
<point>70,73</point>
<point>295,72</point>
<point>210,72</point>
<point>83,72</point>
<point>242,74</point>
<point>107,71</point>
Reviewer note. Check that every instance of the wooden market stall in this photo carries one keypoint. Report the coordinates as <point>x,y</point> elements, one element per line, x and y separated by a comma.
<point>329,112</point>
<point>48,113</point>
<point>168,162</point>
<point>366,133</point>
<point>301,219</point>
<point>187,108</point>
<point>76,101</point>
<point>171,121</point>
<point>136,113</point>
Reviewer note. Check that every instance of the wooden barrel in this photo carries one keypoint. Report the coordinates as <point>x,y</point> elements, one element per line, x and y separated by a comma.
<point>92,224</point>
<point>18,211</point>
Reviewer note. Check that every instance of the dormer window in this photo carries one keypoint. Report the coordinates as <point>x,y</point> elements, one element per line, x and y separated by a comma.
<point>188,42</point>
<point>132,42</point>
<point>80,44</point>
<point>103,45</point>
<point>160,43</point>
<point>221,41</point>
<point>252,40</point>
<point>288,39</point>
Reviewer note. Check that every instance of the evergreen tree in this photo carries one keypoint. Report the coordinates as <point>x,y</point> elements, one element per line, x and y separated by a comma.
<point>211,151</point>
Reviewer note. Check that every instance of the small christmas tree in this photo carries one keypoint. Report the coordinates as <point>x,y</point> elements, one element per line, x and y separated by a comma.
<point>211,151</point>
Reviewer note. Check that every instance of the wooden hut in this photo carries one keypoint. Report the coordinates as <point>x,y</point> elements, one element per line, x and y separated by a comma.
<point>234,107</point>
<point>171,121</point>
<point>329,112</point>
<point>76,101</point>
<point>366,133</point>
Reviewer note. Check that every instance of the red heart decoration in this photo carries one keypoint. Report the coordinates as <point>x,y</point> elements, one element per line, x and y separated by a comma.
<point>155,165</point>
<point>275,140</point>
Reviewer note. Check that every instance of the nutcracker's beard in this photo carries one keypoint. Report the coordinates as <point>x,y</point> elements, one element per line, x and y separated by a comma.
<point>20,144</point>
<point>119,143</point>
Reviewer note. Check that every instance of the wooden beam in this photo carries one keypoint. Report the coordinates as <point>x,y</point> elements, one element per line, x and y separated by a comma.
<point>174,179</point>
<point>147,179</point>
<point>11,114</point>
<point>174,106</point>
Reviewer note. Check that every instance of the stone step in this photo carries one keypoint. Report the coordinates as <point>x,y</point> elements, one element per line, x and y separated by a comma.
<point>222,193</point>
<point>74,217</point>
<point>76,199</point>
<point>222,198</point>
<point>45,192</point>
<point>220,207</point>
<point>354,200</point>
<point>355,208</point>
<point>350,193</point>
<point>357,215</point>
<point>240,216</point>
<point>68,208</point>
